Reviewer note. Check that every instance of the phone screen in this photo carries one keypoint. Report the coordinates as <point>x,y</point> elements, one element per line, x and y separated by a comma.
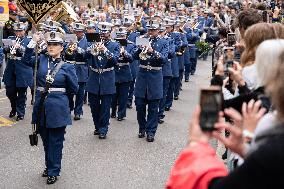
<point>229,56</point>
<point>211,101</point>
<point>231,38</point>
<point>93,37</point>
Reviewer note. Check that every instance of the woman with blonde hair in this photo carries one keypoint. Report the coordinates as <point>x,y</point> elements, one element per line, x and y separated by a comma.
<point>254,36</point>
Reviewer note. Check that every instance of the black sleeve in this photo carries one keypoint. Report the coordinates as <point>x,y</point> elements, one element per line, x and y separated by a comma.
<point>238,101</point>
<point>217,80</point>
<point>262,169</point>
<point>244,89</point>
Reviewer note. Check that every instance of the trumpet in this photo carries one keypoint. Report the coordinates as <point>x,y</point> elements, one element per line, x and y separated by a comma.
<point>95,48</point>
<point>70,50</point>
<point>13,48</point>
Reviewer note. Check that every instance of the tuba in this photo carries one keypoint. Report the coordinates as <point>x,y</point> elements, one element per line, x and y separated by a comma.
<point>65,12</point>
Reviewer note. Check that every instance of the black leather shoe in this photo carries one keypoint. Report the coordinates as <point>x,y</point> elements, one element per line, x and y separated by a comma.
<point>176,98</point>
<point>150,138</point>
<point>192,73</point>
<point>141,135</point>
<point>129,106</point>
<point>19,118</point>
<point>96,132</point>
<point>186,80</point>
<point>12,114</point>
<point>77,117</point>
<point>167,109</point>
<point>120,119</point>
<point>44,174</point>
<point>113,116</point>
<point>51,179</point>
<point>102,136</point>
<point>160,121</point>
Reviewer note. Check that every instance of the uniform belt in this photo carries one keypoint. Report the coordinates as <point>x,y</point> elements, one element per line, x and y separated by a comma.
<point>191,45</point>
<point>80,63</point>
<point>123,64</point>
<point>148,67</point>
<point>101,70</point>
<point>74,62</point>
<point>41,89</point>
<point>15,58</point>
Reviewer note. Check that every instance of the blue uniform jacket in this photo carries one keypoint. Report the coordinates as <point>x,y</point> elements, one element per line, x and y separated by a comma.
<point>56,105</point>
<point>192,38</point>
<point>177,44</point>
<point>204,22</point>
<point>149,83</point>
<point>122,69</point>
<point>134,66</point>
<point>103,83</point>
<point>79,56</point>
<point>167,67</point>
<point>181,58</point>
<point>17,73</point>
<point>187,51</point>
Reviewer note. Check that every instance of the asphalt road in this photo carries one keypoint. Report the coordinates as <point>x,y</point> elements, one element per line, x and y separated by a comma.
<point>122,161</point>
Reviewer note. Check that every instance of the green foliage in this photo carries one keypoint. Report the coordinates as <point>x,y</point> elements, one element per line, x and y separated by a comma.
<point>203,47</point>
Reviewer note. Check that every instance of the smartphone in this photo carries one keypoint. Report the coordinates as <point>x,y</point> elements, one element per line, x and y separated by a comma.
<point>211,103</point>
<point>229,56</point>
<point>93,37</point>
<point>231,38</point>
<point>122,41</point>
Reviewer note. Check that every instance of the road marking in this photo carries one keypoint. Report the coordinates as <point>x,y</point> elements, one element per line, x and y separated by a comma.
<point>6,122</point>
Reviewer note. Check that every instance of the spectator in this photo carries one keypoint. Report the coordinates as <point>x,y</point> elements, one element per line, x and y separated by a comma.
<point>262,168</point>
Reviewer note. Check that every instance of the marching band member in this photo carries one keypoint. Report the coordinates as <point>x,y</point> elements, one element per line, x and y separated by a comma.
<point>174,63</point>
<point>75,52</point>
<point>192,38</point>
<point>167,72</point>
<point>17,76</point>
<point>51,111</point>
<point>180,55</point>
<point>133,33</point>
<point>187,62</point>
<point>123,76</point>
<point>101,82</point>
<point>149,83</point>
